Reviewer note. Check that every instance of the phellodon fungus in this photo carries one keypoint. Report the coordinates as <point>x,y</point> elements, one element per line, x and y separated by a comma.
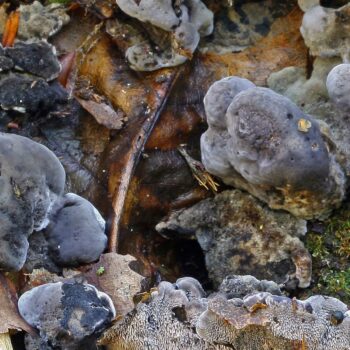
<point>32,182</point>
<point>181,22</point>
<point>181,316</point>
<point>68,315</point>
<point>262,142</point>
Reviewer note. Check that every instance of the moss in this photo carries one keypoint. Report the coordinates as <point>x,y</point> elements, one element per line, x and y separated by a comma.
<point>330,249</point>
<point>63,2</point>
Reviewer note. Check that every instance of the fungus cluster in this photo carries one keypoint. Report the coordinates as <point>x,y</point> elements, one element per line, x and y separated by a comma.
<point>262,142</point>
<point>180,24</point>
<point>240,235</point>
<point>32,185</point>
<point>180,315</point>
<point>31,68</point>
<point>325,93</point>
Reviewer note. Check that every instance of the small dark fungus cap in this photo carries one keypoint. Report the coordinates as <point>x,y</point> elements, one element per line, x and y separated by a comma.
<point>38,58</point>
<point>32,95</point>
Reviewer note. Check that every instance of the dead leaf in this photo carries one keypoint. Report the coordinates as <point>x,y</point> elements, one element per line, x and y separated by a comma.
<point>103,113</point>
<point>118,280</point>
<point>9,316</point>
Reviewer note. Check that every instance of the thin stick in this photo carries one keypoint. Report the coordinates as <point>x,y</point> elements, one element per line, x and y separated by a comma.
<point>133,156</point>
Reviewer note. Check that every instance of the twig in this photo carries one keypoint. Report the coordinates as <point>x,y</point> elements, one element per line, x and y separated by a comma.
<point>199,173</point>
<point>132,158</point>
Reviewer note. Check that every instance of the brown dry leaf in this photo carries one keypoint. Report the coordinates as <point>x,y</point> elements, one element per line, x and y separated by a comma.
<point>141,98</point>
<point>103,113</point>
<point>9,316</point>
<point>114,276</point>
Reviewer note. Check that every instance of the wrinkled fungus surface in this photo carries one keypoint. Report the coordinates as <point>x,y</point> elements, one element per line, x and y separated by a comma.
<point>241,235</point>
<point>31,180</point>
<point>176,28</point>
<point>262,142</point>
<point>67,315</point>
<point>76,233</point>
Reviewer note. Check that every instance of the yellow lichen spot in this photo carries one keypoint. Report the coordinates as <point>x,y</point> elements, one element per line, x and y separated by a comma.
<point>304,125</point>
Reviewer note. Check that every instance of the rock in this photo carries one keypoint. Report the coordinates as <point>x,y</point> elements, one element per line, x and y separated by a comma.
<point>323,31</point>
<point>41,22</point>
<point>273,150</point>
<point>67,315</point>
<point>37,58</point>
<point>175,32</point>
<point>31,95</point>
<point>240,235</point>
<point>76,232</point>
<point>31,180</point>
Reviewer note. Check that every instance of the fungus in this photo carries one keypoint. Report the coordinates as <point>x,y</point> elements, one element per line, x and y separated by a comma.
<point>278,322</point>
<point>306,5</point>
<point>323,31</point>
<point>76,232</point>
<point>175,31</point>
<point>162,322</point>
<point>237,286</point>
<point>31,95</point>
<point>240,235</point>
<point>41,22</point>
<point>338,86</point>
<point>67,315</point>
<point>31,180</point>
<point>274,151</point>
<point>37,58</point>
